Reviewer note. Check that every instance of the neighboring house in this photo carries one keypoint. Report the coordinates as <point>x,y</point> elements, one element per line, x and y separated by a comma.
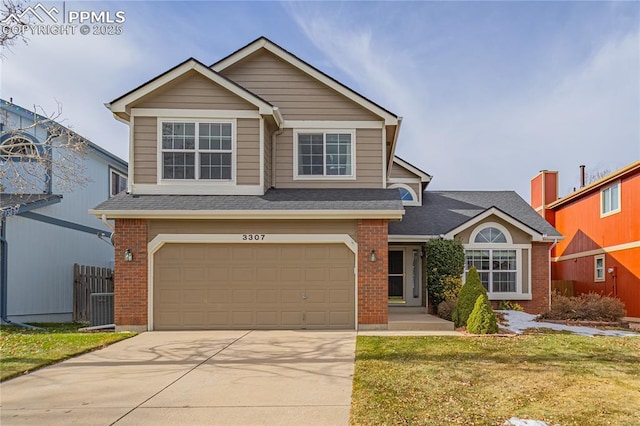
<point>265,194</point>
<point>601,223</point>
<point>47,228</point>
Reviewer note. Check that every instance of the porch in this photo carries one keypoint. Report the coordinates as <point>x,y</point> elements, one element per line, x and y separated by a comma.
<point>405,318</point>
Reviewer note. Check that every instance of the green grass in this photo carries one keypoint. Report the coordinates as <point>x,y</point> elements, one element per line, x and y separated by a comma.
<point>558,378</point>
<point>24,350</point>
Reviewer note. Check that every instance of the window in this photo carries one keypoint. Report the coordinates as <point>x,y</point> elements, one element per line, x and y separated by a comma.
<point>610,200</point>
<point>117,183</point>
<point>18,147</point>
<point>325,154</point>
<point>598,268</point>
<point>197,150</point>
<point>407,194</point>
<point>497,269</point>
<point>501,263</point>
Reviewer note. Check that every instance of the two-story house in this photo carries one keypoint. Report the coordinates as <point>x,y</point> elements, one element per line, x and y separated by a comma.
<point>44,221</point>
<point>265,194</point>
<point>601,222</point>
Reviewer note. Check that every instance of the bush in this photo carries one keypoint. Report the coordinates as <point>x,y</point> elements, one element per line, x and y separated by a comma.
<point>445,308</point>
<point>507,305</point>
<point>482,319</point>
<point>443,267</point>
<point>586,307</point>
<point>469,293</point>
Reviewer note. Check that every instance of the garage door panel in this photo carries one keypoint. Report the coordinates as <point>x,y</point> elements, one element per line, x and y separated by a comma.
<point>254,286</point>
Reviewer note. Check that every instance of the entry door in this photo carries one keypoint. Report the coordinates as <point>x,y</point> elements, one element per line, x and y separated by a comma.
<point>396,276</point>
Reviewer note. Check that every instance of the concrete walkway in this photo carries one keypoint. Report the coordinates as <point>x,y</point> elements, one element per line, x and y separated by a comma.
<point>193,378</point>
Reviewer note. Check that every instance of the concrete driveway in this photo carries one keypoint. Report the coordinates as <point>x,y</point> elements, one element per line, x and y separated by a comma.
<point>193,378</point>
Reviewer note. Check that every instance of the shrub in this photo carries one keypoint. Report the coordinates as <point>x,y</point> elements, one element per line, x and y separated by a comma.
<point>445,308</point>
<point>507,305</point>
<point>469,293</point>
<point>482,319</point>
<point>586,307</point>
<point>443,266</point>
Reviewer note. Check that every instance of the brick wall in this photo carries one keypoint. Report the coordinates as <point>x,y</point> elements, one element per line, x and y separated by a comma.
<point>539,279</point>
<point>130,279</point>
<point>371,234</point>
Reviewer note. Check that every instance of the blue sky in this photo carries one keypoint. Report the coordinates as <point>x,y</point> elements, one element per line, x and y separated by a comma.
<point>490,92</point>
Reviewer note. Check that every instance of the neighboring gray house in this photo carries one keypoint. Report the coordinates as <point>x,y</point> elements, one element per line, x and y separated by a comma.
<point>48,229</point>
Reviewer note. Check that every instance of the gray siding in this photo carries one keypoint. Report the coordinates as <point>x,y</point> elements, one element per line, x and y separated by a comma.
<point>298,95</point>
<point>368,163</point>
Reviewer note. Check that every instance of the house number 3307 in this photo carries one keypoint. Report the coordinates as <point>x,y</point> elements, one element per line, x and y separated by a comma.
<point>253,237</point>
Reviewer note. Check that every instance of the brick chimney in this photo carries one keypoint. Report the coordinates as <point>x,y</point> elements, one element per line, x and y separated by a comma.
<point>544,191</point>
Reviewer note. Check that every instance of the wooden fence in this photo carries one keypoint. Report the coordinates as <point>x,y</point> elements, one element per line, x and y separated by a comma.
<point>88,280</point>
<point>563,287</point>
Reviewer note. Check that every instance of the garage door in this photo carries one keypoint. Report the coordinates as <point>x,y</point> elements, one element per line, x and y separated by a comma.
<point>246,286</point>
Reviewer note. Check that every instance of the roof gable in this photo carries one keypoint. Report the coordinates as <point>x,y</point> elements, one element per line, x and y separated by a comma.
<point>265,44</point>
<point>410,169</point>
<point>494,211</point>
<point>121,106</point>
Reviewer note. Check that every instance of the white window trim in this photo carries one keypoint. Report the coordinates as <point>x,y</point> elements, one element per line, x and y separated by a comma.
<point>602,191</point>
<point>197,182</point>
<point>509,245</point>
<point>595,269</point>
<point>297,176</point>
<point>416,200</point>
<point>112,170</point>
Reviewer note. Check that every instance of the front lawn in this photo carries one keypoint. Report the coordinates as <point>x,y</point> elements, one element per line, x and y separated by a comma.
<point>24,350</point>
<point>558,378</point>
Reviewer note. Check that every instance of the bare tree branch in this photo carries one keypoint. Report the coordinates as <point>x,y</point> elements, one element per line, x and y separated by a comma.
<point>30,163</point>
<point>13,11</point>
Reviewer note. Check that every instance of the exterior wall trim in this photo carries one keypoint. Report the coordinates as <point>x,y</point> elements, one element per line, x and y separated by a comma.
<point>249,214</point>
<point>602,250</point>
<point>197,188</point>
<point>193,113</point>
<point>161,239</point>
<point>313,124</point>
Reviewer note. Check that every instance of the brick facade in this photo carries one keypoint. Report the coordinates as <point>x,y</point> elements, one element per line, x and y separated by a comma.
<point>130,279</point>
<point>540,284</point>
<point>371,234</point>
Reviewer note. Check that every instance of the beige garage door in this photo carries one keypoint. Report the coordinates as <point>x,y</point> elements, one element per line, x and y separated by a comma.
<point>245,286</point>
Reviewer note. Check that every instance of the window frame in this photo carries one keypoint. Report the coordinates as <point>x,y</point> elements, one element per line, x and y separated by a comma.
<point>414,202</point>
<point>120,174</point>
<point>324,132</point>
<point>518,294</point>
<point>603,194</point>
<point>595,269</point>
<point>196,151</point>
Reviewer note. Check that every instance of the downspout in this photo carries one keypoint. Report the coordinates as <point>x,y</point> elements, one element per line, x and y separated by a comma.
<point>555,242</point>
<point>4,280</point>
<point>274,136</point>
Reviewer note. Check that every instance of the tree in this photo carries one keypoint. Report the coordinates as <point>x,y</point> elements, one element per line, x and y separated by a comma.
<point>482,319</point>
<point>444,267</point>
<point>469,293</point>
<point>35,154</point>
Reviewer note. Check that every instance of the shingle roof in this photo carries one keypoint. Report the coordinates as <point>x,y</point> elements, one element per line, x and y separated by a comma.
<point>274,199</point>
<point>442,211</point>
<point>12,204</point>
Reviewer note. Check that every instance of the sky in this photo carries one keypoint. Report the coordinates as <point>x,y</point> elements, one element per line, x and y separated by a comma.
<point>490,92</point>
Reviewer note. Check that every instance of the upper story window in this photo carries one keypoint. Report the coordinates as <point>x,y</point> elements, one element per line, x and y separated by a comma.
<point>490,235</point>
<point>197,150</point>
<point>610,200</point>
<point>18,147</point>
<point>407,194</point>
<point>324,154</point>
<point>117,182</point>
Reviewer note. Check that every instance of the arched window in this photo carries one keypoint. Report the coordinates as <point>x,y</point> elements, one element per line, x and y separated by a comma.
<point>498,261</point>
<point>17,146</point>
<point>407,195</point>
<point>490,235</point>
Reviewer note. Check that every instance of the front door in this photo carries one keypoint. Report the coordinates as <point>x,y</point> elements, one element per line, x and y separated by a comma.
<point>396,276</point>
<point>404,276</point>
